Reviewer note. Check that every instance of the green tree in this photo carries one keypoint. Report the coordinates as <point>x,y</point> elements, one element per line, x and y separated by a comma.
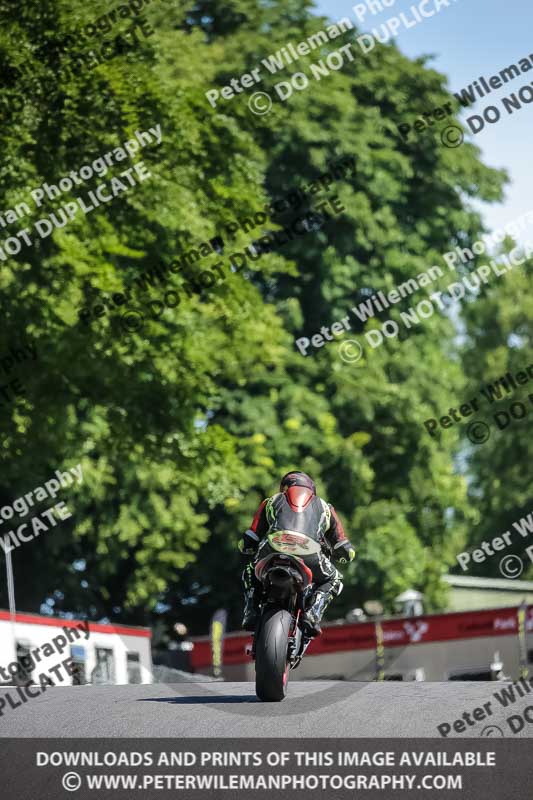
<point>499,340</point>
<point>134,413</point>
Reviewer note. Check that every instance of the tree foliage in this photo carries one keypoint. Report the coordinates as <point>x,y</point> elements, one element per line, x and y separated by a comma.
<point>184,426</point>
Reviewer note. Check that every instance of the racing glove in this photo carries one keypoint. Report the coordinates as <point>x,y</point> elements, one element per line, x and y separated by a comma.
<point>248,543</point>
<point>344,552</point>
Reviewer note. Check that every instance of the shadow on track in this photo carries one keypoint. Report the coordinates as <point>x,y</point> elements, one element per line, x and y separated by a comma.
<point>311,698</point>
<point>201,699</point>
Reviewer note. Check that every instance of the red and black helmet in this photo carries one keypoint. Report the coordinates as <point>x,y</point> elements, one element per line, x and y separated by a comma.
<point>297,479</point>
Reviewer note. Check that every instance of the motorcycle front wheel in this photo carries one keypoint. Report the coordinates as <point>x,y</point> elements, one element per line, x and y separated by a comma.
<point>271,667</point>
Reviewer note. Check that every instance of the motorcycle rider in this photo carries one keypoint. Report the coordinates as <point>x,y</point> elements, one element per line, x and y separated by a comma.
<point>297,508</point>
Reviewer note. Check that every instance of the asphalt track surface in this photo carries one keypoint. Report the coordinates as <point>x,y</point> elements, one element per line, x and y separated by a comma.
<point>312,709</point>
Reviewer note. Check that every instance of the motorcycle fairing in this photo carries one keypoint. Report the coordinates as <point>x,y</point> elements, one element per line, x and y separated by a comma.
<point>293,543</point>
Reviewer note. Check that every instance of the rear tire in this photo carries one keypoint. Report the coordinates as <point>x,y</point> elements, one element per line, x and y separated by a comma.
<point>271,668</point>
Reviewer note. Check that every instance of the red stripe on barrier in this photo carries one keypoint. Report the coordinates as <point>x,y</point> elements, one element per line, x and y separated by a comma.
<point>396,633</point>
<point>96,627</point>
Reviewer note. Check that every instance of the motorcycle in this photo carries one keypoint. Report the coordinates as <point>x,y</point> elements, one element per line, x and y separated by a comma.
<point>279,641</point>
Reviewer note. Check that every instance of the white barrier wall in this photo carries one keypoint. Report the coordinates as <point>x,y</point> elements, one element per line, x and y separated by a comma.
<point>103,649</point>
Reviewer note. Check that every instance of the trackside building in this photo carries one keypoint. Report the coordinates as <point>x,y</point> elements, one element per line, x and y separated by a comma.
<point>102,654</point>
<point>434,647</point>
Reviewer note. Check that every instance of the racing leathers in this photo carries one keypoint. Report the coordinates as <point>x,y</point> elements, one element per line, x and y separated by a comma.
<point>300,511</point>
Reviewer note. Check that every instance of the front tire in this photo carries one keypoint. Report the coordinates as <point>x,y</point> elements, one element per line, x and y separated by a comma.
<point>271,668</point>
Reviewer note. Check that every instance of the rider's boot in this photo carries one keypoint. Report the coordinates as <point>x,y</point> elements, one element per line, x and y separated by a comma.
<point>249,619</point>
<point>315,612</point>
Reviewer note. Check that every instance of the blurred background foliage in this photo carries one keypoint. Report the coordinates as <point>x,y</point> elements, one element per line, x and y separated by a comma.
<point>184,427</point>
